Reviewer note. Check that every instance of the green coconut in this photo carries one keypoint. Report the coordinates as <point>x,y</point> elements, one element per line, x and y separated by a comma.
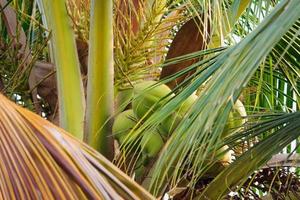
<point>222,158</point>
<point>187,104</point>
<point>236,119</point>
<point>123,124</point>
<point>139,169</point>
<point>124,98</point>
<point>139,172</point>
<point>168,125</point>
<point>222,155</point>
<point>152,144</point>
<point>226,155</point>
<point>171,122</point>
<point>145,98</point>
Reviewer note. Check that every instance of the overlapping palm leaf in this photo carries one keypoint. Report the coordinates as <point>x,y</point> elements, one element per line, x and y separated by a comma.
<point>287,129</point>
<point>40,160</point>
<point>198,134</point>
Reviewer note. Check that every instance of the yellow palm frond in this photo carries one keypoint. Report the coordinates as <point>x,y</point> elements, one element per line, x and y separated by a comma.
<point>42,161</point>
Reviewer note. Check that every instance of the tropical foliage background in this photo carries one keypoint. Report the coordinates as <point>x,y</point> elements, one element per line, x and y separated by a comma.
<point>80,63</point>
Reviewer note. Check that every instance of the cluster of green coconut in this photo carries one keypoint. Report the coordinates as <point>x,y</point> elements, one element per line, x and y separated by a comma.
<point>146,99</point>
<point>143,104</point>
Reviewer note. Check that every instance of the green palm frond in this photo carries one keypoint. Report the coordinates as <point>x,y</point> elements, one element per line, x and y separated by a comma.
<point>229,74</point>
<point>257,156</point>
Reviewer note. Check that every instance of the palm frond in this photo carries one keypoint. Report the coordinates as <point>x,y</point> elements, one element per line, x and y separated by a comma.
<point>255,157</point>
<point>40,160</point>
<point>201,126</point>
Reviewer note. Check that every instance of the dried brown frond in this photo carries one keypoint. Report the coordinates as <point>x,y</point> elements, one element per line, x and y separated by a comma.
<point>42,161</point>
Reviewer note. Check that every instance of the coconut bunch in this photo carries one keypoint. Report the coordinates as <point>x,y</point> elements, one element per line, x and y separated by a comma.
<point>147,97</point>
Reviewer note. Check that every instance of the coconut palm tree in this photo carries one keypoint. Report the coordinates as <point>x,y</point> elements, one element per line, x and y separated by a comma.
<point>220,78</point>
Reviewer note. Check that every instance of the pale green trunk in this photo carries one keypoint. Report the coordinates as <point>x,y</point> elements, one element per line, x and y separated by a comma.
<point>100,78</point>
<point>69,83</point>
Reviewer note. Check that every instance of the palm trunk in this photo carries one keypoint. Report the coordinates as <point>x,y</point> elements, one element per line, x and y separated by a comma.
<point>100,78</point>
<point>70,88</point>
